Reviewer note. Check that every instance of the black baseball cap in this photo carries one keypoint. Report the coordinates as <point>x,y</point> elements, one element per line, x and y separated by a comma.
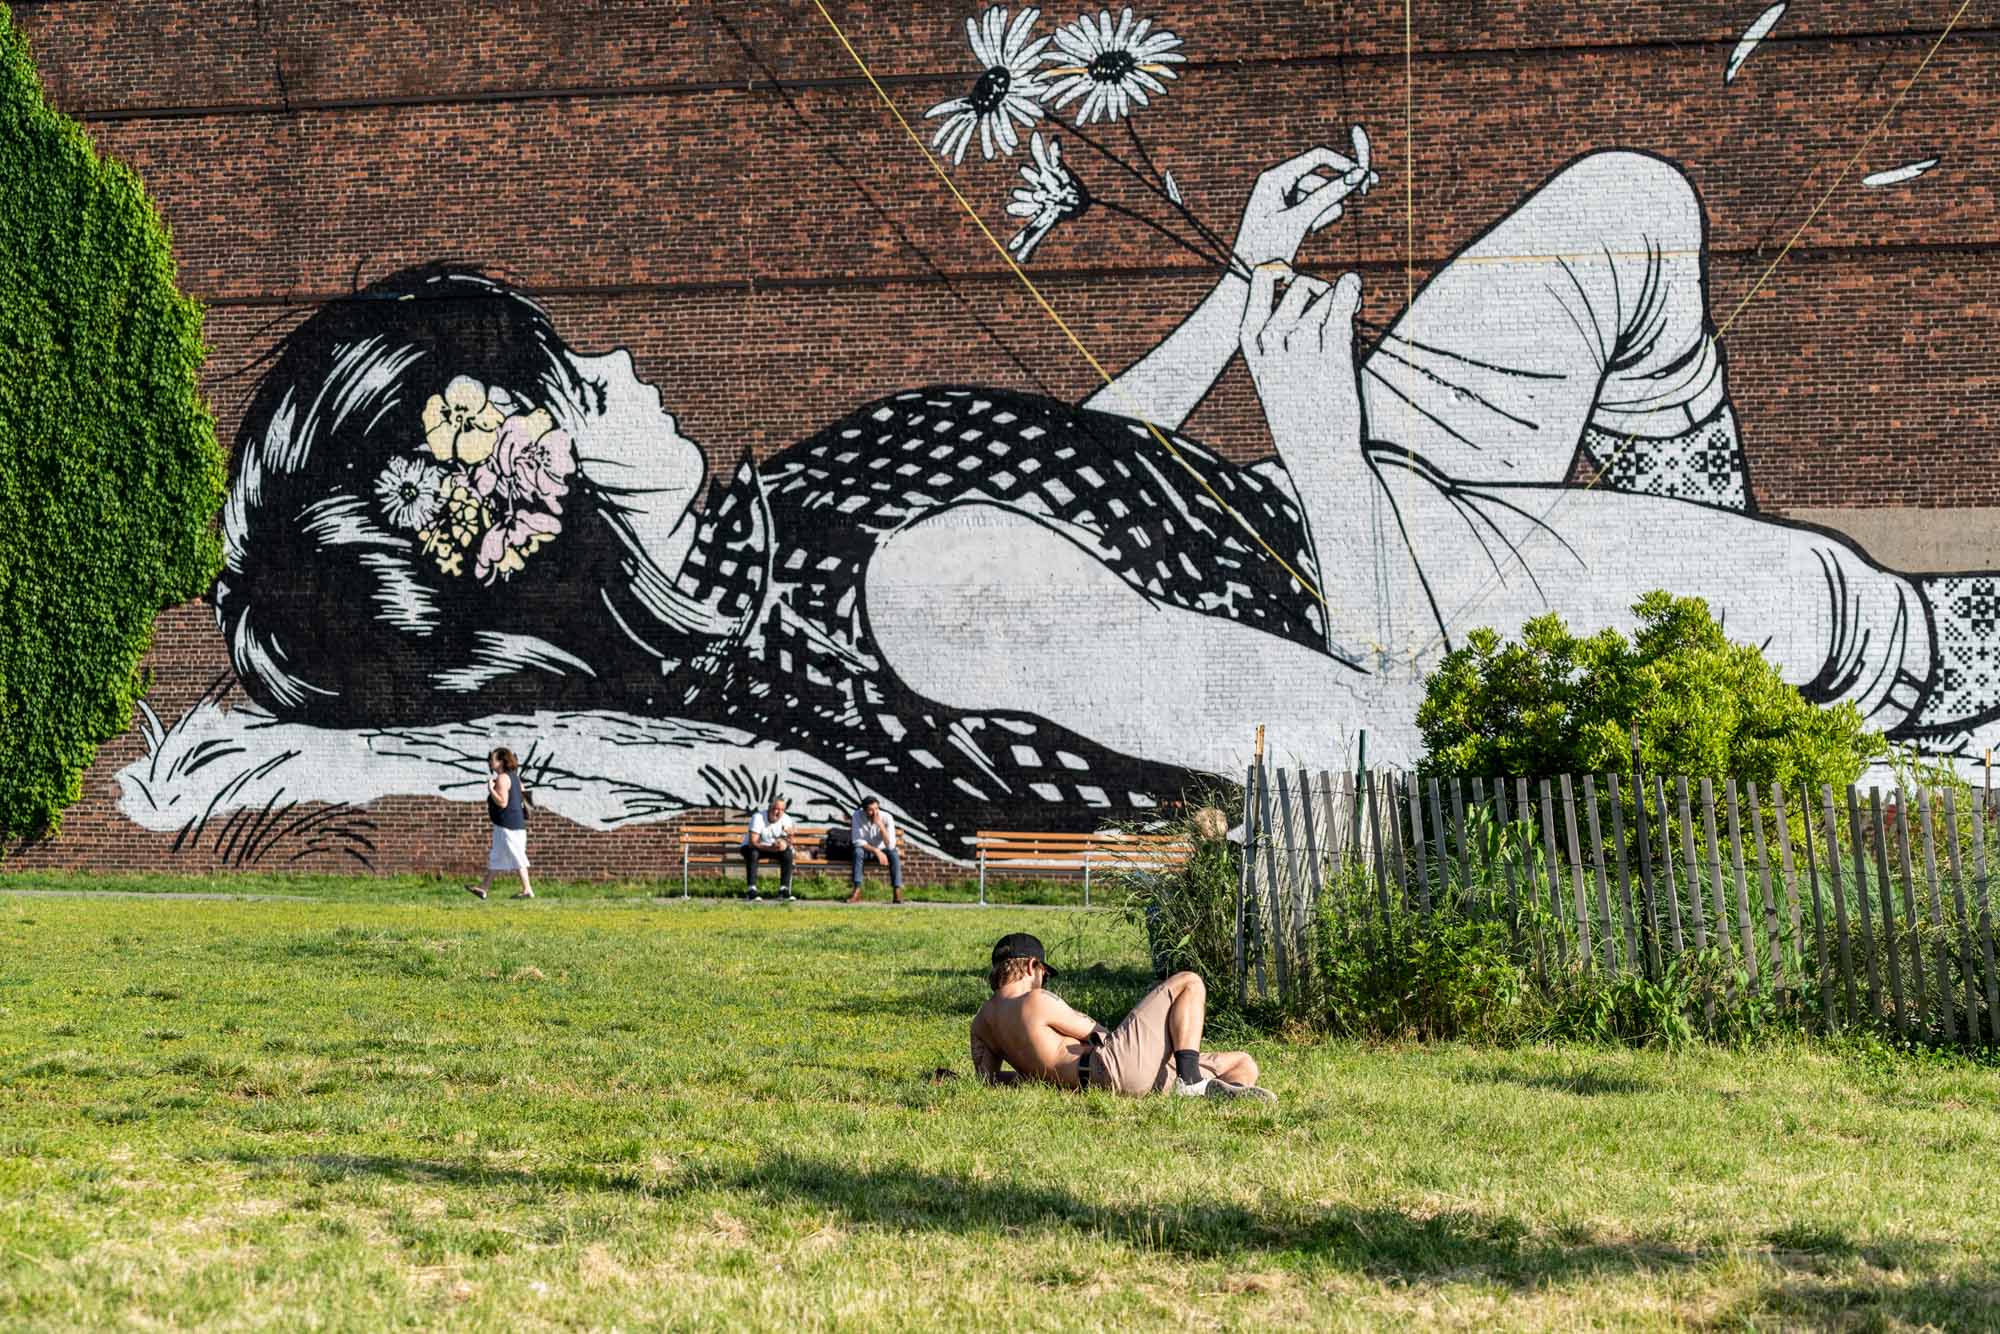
<point>1020,945</point>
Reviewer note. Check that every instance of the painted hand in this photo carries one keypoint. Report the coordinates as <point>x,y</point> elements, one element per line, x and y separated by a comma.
<point>1291,201</point>
<point>1300,350</point>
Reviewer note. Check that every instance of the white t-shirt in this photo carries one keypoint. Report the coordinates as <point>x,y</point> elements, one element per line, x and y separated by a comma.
<point>763,829</point>
<point>867,835</point>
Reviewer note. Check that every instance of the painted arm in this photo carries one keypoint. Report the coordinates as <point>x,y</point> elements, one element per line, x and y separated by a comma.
<point>1168,383</point>
<point>1300,350</point>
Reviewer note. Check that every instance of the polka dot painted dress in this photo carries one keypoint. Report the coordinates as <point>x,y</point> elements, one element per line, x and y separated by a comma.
<point>785,549</point>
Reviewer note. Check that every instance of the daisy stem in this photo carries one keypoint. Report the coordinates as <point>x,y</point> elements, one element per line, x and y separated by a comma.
<point>1161,228</point>
<point>1223,255</point>
<point>1207,233</point>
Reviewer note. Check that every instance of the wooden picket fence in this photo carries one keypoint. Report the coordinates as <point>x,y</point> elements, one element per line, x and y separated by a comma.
<point>1855,909</point>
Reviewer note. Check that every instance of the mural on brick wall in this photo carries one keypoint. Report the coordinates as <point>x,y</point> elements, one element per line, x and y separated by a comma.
<point>447,528</point>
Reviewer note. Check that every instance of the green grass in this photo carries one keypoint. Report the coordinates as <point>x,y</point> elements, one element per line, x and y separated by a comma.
<point>807,884</point>
<point>386,1106</point>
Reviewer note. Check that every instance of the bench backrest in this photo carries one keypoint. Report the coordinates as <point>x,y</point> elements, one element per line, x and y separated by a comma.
<point>718,835</point>
<point>1055,850</point>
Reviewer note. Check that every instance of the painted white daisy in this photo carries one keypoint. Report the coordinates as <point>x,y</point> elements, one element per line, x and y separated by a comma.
<point>411,492</point>
<point>1052,195</point>
<point>1009,89</point>
<point>1110,67</point>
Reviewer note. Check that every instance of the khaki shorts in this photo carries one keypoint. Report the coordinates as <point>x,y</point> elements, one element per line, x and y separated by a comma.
<point>1135,1059</point>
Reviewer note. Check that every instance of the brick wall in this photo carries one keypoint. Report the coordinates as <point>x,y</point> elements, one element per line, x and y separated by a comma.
<point>628,164</point>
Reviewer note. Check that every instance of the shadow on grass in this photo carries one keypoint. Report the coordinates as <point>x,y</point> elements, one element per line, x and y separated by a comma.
<point>1582,1083</point>
<point>1366,1240</point>
<point>1827,1280</point>
<point>1819,1274</point>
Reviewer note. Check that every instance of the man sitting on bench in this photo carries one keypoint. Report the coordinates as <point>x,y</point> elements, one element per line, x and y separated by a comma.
<point>1157,1049</point>
<point>874,833</point>
<point>769,835</point>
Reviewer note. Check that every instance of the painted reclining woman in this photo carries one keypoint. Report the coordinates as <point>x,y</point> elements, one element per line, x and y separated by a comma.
<point>1001,610</point>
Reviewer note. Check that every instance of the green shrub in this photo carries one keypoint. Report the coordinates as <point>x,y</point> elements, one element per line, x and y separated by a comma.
<point>110,474</point>
<point>1554,703</point>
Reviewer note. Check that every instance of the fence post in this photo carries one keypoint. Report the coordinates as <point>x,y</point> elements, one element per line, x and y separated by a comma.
<point>1982,890</point>
<point>1274,921</point>
<point>1458,830</point>
<point>1691,868</point>
<point>1744,930</point>
<point>1835,858</point>
<point>1912,911</point>
<point>1245,876</point>
<point>1888,909</point>
<point>1672,894</point>
<point>1947,1009</point>
<point>1438,855</point>
<point>1858,833</point>
<point>1824,974</point>
<point>1913,922</point>
<point>1767,898</point>
<point>1788,876</point>
<point>1306,909</point>
<point>1413,796</point>
<point>1291,854</point>
<point>1378,854</point>
<point>1608,935</point>
<point>1721,936</point>
<point>1649,925</point>
<point>1531,892</point>
<point>1968,966</point>
<point>1552,853</point>
<point>1632,958</point>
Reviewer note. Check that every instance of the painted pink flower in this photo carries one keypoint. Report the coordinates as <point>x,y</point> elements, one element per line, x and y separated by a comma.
<point>506,547</point>
<point>532,462</point>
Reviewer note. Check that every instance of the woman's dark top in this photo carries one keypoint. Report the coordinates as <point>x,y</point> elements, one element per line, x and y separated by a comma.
<point>785,548</point>
<point>512,815</point>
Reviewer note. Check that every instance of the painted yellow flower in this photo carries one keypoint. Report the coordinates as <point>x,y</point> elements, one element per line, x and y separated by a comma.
<point>461,424</point>
<point>462,516</point>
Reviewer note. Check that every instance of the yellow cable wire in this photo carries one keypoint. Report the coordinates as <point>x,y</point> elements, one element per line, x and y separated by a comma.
<point>1050,310</point>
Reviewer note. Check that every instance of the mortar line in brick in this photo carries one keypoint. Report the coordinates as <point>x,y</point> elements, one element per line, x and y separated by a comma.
<point>1000,277</point>
<point>686,88</point>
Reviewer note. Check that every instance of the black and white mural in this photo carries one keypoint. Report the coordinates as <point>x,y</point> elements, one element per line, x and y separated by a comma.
<point>449,528</point>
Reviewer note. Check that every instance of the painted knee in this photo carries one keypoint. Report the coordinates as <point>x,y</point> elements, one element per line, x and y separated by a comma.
<point>1651,191</point>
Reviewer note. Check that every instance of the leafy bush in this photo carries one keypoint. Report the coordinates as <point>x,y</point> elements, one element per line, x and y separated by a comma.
<point>1555,703</point>
<point>110,474</point>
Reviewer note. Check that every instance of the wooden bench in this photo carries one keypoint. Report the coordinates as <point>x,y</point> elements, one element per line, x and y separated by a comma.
<point>717,844</point>
<point>1027,850</point>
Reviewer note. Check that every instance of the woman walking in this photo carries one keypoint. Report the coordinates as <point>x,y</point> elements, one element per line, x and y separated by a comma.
<point>506,807</point>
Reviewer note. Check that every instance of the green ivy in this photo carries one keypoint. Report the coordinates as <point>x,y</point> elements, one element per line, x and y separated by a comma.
<point>1556,703</point>
<point>110,474</point>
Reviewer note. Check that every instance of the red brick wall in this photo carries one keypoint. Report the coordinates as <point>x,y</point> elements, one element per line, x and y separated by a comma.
<point>625,162</point>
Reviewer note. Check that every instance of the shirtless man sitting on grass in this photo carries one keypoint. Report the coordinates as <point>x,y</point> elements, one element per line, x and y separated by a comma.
<point>1157,1049</point>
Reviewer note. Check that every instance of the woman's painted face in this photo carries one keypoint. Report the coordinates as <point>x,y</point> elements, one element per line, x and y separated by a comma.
<point>623,427</point>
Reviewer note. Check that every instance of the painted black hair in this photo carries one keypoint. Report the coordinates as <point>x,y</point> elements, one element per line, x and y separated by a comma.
<point>335,616</point>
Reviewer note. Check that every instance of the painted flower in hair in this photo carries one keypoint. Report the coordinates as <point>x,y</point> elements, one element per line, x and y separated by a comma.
<point>410,491</point>
<point>532,463</point>
<point>461,517</point>
<point>462,423</point>
<point>504,551</point>
<point>1051,195</point>
<point>1110,66</point>
<point>1009,88</point>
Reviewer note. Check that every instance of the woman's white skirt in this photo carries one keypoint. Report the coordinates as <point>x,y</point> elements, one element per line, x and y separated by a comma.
<point>510,850</point>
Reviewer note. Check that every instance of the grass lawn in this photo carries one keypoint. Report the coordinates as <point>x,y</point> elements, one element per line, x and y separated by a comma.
<point>380,1106</point>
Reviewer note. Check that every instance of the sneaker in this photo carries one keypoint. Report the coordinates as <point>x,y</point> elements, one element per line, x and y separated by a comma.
<point>752,896</point>
<point>785,895</point>
<point>1222,1088</point>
